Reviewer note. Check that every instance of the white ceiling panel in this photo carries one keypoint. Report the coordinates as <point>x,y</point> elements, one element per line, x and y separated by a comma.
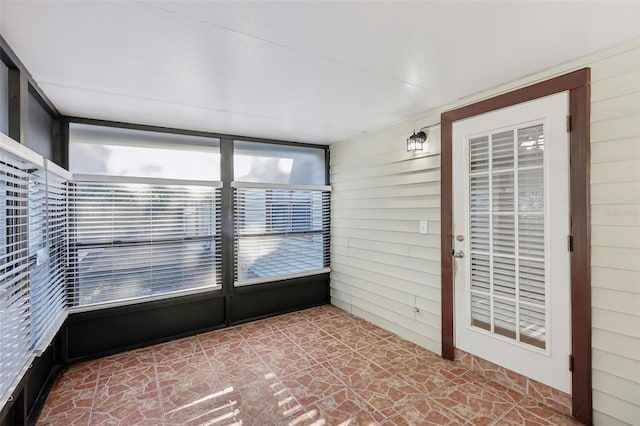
<point>307,71</point>
<point>430,44</point>
<point>105,106</point>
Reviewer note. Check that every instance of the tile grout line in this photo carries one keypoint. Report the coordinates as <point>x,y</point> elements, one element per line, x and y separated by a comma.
<point>95,392</point>
<point>426,395</point>
<point>155,371</point>
<point>504,414</point>
<point>213,371</point>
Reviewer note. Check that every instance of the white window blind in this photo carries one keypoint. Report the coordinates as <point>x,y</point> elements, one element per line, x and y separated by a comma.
<point>15,314</point>
<point>506,222</point>
<point>281,231</point>
<point>38,265</point>
<point>138,240</point>
<point>48,252</point>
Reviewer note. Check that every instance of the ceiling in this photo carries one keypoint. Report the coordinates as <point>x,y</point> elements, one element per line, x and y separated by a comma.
<point>315,72</point>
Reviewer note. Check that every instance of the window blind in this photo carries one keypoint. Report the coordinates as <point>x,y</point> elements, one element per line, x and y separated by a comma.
<point>507,240</point>
<point>281,231</point>
<point>139,238</point>
<point>48,252</point>
<point>15,330</point>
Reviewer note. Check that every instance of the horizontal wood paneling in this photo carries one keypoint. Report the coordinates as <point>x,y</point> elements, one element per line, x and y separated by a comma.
<point>615,150</point>
<point>615,214</point>
<point>620,106</point>
<point>615,193</point>
<point>600,418</point>
<point>616,171</point>
<point>617,128</point>
<point>614,408</point>
<point>626,390</point>
<point>616,365</point>
<point>615,86</point>
<point>615,197</point>
<point>383,270</point>
<point>620,344</point>
<point>616,236</point>
<point>612,320</point>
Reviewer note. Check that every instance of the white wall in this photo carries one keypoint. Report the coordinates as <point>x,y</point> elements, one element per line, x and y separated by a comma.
<point>382,269</point>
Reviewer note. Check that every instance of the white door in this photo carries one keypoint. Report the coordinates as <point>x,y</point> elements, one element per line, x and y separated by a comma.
<point>511,228</point>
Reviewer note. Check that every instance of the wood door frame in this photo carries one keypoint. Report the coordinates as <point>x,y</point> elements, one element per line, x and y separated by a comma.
<point>577,83</point>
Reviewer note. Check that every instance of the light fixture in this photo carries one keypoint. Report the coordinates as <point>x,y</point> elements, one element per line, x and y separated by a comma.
<point>415,141</point>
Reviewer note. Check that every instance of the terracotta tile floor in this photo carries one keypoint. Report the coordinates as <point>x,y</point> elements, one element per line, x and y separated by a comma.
<point>320,366</point>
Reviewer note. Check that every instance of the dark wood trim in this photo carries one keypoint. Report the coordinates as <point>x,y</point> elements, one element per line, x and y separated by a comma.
<point>573,80</point>
<point>446,234</point>
<point>580,201</point>
<point>577,83</point>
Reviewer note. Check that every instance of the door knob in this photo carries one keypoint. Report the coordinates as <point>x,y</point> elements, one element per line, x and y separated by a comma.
<point>458,253</point>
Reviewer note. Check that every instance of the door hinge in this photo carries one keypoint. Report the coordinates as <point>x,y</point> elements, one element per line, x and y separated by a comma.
<point>569,242</point>
<point>571,362</point>
<point>568,124</point>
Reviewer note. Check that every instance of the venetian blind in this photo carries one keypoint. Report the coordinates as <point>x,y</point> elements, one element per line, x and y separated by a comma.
<point>48,252</point>
<point>138,238</point>
<point>282,231</point>
<point>15,313</point>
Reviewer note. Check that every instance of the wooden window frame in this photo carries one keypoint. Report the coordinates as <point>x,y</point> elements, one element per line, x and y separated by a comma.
<point>577,84</point>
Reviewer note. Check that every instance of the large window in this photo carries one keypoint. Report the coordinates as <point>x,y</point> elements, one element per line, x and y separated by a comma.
<point>146,213</point>
<point>132,240</point>
<point>149,224</point>
<point>281,212</point>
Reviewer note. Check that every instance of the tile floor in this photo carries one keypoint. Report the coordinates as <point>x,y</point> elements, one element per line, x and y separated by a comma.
<point>321,366</point>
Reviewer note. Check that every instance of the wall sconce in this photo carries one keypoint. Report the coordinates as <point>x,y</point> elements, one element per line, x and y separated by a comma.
<point>415,141</point>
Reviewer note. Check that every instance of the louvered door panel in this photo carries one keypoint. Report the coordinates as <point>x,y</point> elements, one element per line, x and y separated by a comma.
<point>507,234</point>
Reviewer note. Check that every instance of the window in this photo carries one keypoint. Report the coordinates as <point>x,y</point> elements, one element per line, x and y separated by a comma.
<point>138,240</point>
<point>150,225</point>
<point>281,164</point>
<point>282,212</point>
<point>506,200</point>
<point>109,151</point>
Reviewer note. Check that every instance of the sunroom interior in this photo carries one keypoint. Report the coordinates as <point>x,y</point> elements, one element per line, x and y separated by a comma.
<point>250,213</point>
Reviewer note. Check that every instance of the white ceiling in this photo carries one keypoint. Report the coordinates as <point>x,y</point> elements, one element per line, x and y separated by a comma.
<point>305,71</point>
